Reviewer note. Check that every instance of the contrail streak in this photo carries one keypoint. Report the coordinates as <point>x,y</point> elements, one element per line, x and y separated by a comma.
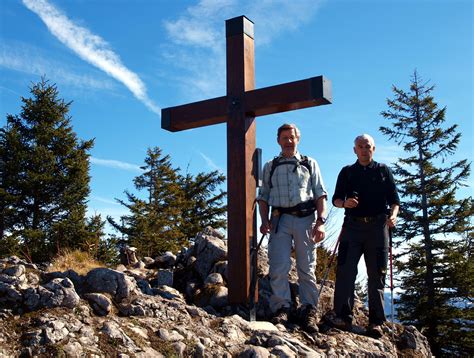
<point>90,47</point>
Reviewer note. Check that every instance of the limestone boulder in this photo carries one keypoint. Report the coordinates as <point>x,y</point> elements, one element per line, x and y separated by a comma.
<point>117,284</point>
<point>209,250</point>
<point>101,304</point>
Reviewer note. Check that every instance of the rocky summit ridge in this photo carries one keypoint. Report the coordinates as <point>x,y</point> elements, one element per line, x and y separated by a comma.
<point>169,306</point>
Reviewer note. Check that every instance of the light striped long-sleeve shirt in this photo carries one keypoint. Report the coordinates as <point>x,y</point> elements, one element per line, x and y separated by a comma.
<point>291,184</point>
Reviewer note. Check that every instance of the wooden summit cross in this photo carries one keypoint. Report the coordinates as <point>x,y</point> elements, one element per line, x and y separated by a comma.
<point>238,109</point>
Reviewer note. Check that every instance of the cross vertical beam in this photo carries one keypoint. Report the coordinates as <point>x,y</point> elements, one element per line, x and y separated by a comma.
<point>241,130</point>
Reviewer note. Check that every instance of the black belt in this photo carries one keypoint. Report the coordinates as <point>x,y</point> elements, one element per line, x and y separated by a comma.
<point>367,219</point>
<point>301,210</point>
<point>297,213</point>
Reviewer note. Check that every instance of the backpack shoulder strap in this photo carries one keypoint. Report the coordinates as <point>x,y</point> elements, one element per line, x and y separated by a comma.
<point>272,170</point>
<point>277,161</point>
<point>347,172</point>
<point>382,170</point>
<point>305,162</point>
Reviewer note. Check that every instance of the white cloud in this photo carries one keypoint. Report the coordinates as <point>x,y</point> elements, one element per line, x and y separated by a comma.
<point>273,17</point>
<point>198,37</point>
<point>211,163</point>
<point>199,27</point>
<point>91,48</point>
<point>116,164</point>
<point>18,58</point>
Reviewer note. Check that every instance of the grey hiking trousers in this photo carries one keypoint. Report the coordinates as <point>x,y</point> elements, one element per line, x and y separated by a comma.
<point>292,229</point>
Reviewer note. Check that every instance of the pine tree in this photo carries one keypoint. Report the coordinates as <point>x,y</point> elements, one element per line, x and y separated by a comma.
<point>433,220</point>
<point>201,207</point>
<point>153,224</point>
<point>325,251</point>
<point>11,149</point>
<point>44,177</point>
<point>176,207</point>
<point>99,246</point>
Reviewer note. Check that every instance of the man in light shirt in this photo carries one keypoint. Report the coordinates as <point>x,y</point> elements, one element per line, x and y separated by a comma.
<point>293,188</point>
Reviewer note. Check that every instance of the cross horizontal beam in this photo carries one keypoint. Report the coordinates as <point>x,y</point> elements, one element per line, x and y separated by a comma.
<point>289,96</point>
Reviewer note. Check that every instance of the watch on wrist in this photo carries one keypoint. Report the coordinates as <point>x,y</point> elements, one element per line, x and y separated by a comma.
<point>322,220</point>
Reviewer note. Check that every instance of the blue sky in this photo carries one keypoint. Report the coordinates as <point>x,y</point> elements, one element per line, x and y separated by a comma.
<point>121,61</point>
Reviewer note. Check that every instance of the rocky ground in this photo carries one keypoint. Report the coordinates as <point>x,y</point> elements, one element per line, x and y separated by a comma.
<point>170,306</point>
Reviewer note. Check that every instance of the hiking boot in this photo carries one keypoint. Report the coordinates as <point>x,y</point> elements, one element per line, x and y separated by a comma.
<point>374,330</point>
<point>341,324</point>
<point>308,319</point>
<point>282,316</point>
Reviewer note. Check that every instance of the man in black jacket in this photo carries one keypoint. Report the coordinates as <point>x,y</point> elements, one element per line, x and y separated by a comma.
<point>367,192</point>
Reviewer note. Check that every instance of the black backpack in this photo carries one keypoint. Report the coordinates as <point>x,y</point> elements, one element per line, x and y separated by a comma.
<point>280,161</point>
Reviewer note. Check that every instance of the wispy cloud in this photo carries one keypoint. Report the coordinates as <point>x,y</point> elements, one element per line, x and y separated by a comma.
<point>272,17</point>
<point>18,58</point>
<point>198,41</point>
<point>387,153</point>
<point>6,89</point>
<point>116,164</point>
<point>115,212</point>
<point>91,48</point>
<point>210,162</point>
<point>104,200</point>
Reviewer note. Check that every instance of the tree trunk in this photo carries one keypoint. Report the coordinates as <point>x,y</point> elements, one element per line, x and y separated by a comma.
<point>429,277</point>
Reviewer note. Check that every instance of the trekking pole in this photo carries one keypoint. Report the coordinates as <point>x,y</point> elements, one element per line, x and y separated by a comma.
<point>254,278</point>
<point>391,279</point>
<point>326,274</point>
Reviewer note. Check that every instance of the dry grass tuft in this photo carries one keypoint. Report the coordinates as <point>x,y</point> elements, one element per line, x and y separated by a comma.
<point>79,261</point>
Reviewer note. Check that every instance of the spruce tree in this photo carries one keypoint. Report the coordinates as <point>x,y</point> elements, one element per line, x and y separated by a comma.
<point>433,220</point>
<point>11,150</point>
<point>100,247</point>
<point>201,207</point>
<point>153,223</point>
<point>173,208</point>
<point>44,177</point>
<point>324,252</point>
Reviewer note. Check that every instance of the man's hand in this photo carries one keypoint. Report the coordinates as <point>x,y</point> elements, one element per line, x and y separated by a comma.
<point>392,220</point>
<point>350,203</point>
<point>266,227</point>
<point>319,232</point>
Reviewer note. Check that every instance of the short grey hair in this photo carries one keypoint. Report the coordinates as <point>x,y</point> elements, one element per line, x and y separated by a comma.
<point>365,137</point>
<point>286,127</point>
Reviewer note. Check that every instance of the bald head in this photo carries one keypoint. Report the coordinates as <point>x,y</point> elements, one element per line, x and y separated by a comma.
<point>364,148</point>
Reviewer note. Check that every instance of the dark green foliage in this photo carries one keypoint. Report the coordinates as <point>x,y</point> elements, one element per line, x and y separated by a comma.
<point>107,252</point>
<point>326,264</point>
<point>436,265</point>
<point>325,250</point>
<point>323,258</point>
<point>99,246</point>
<point>175,209</point>
<point>201,207</point>
<point>44,178</point>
